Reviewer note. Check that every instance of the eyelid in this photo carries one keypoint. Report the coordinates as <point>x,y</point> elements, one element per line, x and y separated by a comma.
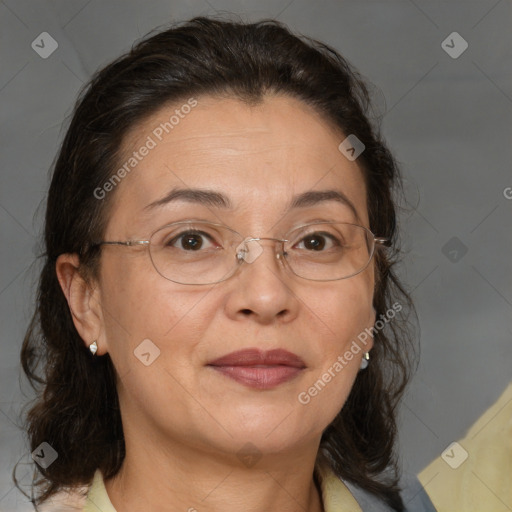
<point>320,222</point>
<point>323,220</point>
<point>280,233</point>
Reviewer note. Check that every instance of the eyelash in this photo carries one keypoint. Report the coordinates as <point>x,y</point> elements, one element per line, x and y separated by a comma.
<point>191,232</point>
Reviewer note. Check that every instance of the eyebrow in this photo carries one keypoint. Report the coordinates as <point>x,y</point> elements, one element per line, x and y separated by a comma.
<point>220,200</point>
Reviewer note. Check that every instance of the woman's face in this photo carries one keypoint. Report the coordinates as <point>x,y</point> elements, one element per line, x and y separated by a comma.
<point>260,158</point>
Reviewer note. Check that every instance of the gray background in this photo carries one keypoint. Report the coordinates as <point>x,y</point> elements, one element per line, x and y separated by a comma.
<point>447,120</point>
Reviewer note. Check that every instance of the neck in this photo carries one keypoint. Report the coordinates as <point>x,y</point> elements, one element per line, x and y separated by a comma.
<point>181,478</point>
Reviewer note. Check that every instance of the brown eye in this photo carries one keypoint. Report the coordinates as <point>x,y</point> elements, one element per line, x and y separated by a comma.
<point>318,242</point>
<point>315,243</point>
<point>189,241</point>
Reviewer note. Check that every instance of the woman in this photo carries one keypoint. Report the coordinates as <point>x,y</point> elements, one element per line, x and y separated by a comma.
<point>218,317</point>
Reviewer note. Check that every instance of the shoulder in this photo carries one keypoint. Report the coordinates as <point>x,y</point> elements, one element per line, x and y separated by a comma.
<point>338,494</point>
<point>66,501</point>
<point>80,499</point>
<point>413,495</point>
<point>90,498</point>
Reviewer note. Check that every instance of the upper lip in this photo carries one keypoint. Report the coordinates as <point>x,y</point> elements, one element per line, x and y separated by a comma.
<point>255,357</point>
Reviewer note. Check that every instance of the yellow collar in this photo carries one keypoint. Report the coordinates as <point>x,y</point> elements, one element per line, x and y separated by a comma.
<point>335,495</point>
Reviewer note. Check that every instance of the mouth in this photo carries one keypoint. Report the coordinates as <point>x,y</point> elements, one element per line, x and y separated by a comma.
<point>258,369</point>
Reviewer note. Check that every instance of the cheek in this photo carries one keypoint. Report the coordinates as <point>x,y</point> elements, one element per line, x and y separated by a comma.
<point>343,313</point>
<point>138,304</point>
<point>345,310</point>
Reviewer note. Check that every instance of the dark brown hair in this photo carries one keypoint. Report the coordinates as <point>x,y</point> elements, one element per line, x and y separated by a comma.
<point>76,409</point>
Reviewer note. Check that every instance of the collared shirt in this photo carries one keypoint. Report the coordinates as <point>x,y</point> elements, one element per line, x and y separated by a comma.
<point>335,495</point>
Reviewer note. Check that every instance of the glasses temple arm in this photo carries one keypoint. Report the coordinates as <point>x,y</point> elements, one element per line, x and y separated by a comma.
<point>386,242</point>
<point>127,243</point>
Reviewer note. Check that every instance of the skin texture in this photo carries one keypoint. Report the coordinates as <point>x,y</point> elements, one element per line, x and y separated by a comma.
<point>184,422</point>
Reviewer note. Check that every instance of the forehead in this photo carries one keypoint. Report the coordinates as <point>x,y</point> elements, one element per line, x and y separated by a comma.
<point>258,155</point>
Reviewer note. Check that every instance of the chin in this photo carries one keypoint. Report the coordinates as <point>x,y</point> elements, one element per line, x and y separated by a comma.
<point>271,432</point>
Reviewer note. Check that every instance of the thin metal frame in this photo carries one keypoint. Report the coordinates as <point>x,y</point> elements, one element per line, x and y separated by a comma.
<point>377,241</point>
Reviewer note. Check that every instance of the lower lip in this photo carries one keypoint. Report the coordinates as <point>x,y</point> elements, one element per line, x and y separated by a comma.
<point>259,377</point>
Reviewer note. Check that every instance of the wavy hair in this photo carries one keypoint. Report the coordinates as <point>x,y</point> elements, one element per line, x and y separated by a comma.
<point>76,409</point>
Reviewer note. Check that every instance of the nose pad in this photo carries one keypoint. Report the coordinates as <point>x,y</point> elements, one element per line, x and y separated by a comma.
<point>249,250</point>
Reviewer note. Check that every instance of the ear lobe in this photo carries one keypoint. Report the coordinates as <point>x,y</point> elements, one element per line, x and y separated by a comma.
<point>83,299</point>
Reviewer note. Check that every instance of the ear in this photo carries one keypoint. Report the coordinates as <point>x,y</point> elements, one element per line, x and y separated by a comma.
<point>83,301</point>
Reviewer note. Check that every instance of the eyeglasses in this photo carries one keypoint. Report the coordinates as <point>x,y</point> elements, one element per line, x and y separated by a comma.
<point>197,252</point>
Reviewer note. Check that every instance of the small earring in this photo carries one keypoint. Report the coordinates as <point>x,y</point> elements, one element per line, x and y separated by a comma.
<point>93,347</point>
<point>364,361</point>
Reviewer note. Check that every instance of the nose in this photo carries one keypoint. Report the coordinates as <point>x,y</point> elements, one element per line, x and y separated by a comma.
<point>261,289</point>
